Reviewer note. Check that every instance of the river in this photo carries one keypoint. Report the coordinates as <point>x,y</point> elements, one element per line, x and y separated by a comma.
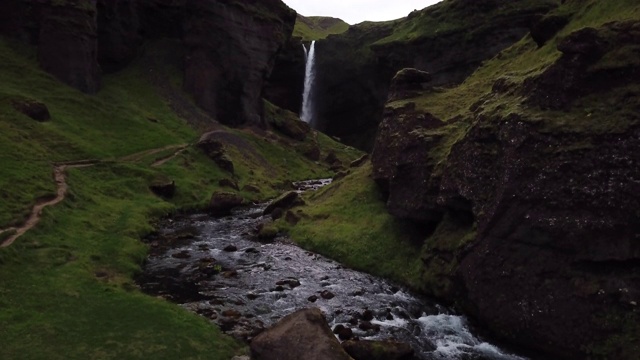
<point>212,266</point>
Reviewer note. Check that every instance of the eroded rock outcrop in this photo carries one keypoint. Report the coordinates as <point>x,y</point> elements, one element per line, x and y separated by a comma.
<point>534,213</point>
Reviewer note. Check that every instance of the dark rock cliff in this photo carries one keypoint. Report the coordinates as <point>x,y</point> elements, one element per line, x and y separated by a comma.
<point>535,210</point>
<point>449,40</point>
<point>231,49</point>
<point>286,83</point>
<point>230,45</point>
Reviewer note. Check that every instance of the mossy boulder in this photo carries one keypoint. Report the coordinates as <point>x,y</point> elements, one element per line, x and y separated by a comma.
<point>301,335</point>
<point>213,147</point>
<point>408,83</point>
<point>163,187</point>
<point>32,108</point>
<point>286,122</point>
<point>222,203</point>
<point>284,202</point>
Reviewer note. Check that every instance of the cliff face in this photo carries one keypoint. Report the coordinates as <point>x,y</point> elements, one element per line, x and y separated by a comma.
<point>286,82</point>
<point>528,174</point>
<point>230,45</point>
<point>450,40</point>
<point>231,49</point>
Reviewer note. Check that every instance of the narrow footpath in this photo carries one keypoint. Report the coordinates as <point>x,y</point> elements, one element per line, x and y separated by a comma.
<point>62,187</point>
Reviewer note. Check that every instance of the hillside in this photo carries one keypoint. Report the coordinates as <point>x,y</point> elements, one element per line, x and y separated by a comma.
<point>318,27</point>
<point>502,181</point>
<point>68,289</point>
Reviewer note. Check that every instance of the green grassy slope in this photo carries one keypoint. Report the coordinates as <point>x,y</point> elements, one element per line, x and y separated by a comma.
<point>348,222</point>
<point>66,286</point>
<point>318,27</point>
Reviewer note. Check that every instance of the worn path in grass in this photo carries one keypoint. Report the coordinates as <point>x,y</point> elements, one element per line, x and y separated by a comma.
<point>62,187</point>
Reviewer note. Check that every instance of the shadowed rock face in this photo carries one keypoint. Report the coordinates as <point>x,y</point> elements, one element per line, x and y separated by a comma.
<point>118,33</point>
<point>68,44</point>
<point>553,261</point>
<point>286,82</point>
<point>231,45</point>
<point>231,50</point>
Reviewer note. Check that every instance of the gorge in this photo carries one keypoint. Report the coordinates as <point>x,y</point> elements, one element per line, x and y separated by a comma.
<point>483,153</point>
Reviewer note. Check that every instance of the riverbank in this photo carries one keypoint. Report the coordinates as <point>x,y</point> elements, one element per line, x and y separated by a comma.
<point>67,284</point>
<point>216,267</point>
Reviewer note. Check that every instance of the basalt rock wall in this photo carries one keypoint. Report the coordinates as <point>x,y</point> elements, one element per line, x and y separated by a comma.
<point>231,45</point>
<point>532,191</point>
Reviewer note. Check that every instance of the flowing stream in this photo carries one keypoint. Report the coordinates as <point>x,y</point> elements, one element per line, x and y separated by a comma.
<point>309,77</point>
<point>212,266</point>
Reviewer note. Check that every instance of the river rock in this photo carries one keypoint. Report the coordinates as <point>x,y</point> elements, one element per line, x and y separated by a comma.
<point>301,335</point>
<point>312,298</point>
<point>230,248</point>
<point>285,201</point>
<point>368,326</point>
<point>164,188</point>
<point>326,294</point>
<point>367,315</point>
<point>277,213</point>
<point>343,332</point>
<point>378,350</point>
<point>222,203</point>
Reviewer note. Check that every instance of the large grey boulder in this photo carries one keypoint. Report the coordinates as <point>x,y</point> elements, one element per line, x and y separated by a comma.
<point>301,335</point>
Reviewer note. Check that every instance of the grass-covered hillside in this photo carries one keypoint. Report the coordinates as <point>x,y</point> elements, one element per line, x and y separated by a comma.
<point>66,286</point>
<point>318,27</point>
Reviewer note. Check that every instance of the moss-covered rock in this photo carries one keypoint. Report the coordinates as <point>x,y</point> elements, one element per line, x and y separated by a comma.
<point>222,203</point>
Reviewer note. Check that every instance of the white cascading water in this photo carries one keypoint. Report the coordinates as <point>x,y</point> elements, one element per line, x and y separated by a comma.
<point>309,76</point>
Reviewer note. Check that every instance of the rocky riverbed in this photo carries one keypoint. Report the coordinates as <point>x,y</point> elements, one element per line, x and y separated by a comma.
<point>214,267</point>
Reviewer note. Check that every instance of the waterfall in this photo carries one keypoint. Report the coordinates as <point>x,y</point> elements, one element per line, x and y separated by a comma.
<point>309,76</point>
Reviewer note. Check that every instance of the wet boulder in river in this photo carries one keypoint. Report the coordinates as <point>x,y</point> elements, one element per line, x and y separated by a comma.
<point>222,203</point>
<point>301,335</point>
